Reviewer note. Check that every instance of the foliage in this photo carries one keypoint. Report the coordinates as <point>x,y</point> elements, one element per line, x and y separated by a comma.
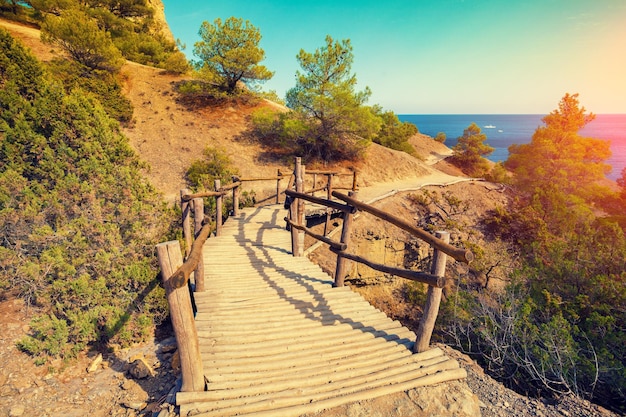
<point>81,37</point>
<point>216,165</point>
<point>559,158</point>
<point>441,137</point>
<point>558,328</point>
<point>230,52</point>
<point>393,133</point>
<point>130,24</point>
<point>78,219</point>
<point>470,150</point>
<point>498,174</point>
<point>176,63</point>
<point>271,96</point>
<point>199,93</point>
<point>329,119</point>
<point>106,87</point>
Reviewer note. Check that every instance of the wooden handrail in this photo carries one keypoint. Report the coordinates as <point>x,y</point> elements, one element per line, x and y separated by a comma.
<point>329,242</point>
<point>313,172</point>
<point>424,277</point>
<point>321,201</point>
<point>278,177</point>
<point>231,186</point>
<point>181,276</point>
<point>461,255</point>
<point>188,197</point>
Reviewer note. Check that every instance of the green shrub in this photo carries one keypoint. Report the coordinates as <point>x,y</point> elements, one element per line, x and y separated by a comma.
<point>79,220</point>
<point>106,87</point>
<point>393,133</point>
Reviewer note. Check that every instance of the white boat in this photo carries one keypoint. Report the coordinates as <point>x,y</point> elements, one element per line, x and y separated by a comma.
<point>490,127</point>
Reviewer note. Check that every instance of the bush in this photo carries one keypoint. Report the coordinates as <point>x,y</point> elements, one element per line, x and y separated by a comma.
<point>394,134</point>
<point>106,87</point>
<point>441,137</point>
<point>79,221</point>
<point>176,63</point>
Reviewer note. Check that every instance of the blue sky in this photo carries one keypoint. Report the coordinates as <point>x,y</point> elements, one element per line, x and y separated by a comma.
<point>443,56</point>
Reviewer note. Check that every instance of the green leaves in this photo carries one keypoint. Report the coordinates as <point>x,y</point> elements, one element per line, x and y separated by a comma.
<point>81,37</point>
<point>230,52</point>
<point>338,124</point>
<point>78,219</point>
<point>470,150</point>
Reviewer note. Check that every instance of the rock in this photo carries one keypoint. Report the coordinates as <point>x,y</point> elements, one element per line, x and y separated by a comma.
<point>95,364</point>
<point>134,405</point>
<point>17,411</point>
<point>140,369</point>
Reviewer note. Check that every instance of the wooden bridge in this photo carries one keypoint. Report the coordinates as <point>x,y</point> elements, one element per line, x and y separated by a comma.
<point>272,334</point>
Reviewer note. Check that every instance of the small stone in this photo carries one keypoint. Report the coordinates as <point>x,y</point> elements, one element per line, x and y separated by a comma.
<point>168,348</point>
<point>135,405</point>
<point>17,411</point>
<point>140,369</point>
<point>95,364</point>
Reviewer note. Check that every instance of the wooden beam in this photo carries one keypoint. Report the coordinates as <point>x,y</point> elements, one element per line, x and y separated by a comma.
<point>181,314</point>
<point>418,276</point>
<point>331,243</point>
<point>341,269</point>
<point>198,217</point>
<point>185,207</point>
<point>219,209</point>
<point>321,201</point>
<point>188,197</point>
<point>462,255</point>
<point>182,274</point>
<point>433,299</point>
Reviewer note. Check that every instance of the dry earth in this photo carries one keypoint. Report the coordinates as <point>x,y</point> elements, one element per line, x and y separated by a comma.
<point>169,136</point>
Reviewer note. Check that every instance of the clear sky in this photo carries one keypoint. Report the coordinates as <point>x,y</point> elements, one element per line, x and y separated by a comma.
<point>443,56</point>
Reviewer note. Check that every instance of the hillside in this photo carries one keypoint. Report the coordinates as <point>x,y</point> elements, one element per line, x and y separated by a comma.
<point>168,136</point>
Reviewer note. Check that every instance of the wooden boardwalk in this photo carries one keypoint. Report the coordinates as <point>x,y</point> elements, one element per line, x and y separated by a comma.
<point>277,339</point>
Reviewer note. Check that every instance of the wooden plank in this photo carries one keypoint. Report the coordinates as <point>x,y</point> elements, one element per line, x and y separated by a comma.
<point>277,339</point>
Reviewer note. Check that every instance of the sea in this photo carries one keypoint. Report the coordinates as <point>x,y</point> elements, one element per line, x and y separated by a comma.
<point>503,130</point>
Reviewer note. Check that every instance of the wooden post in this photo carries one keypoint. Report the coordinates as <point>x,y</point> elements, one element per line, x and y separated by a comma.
<point>329,194</point>
<point>431,309</point>
<point>279,177</point>
<point>343,264</point>
<point>354,181</point>
<point>181,313</point>
<point>295,241</point>
<point>294,211</point>
<point>236,198</point>
<point>314,184</point>
<point>186,209</point>
<point>219,207</point>
<point>198,217</point>
<point>301,210</point>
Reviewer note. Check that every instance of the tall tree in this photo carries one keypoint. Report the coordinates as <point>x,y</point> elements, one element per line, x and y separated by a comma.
<point>558,157</point>
<point>325,97</point>
<point>470,150</point>
<point>81,37</point>
<point>230,52</point>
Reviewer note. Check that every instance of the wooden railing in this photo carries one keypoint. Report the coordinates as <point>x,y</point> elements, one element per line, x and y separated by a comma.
<point>176,274</point>
<point>349,205</point>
